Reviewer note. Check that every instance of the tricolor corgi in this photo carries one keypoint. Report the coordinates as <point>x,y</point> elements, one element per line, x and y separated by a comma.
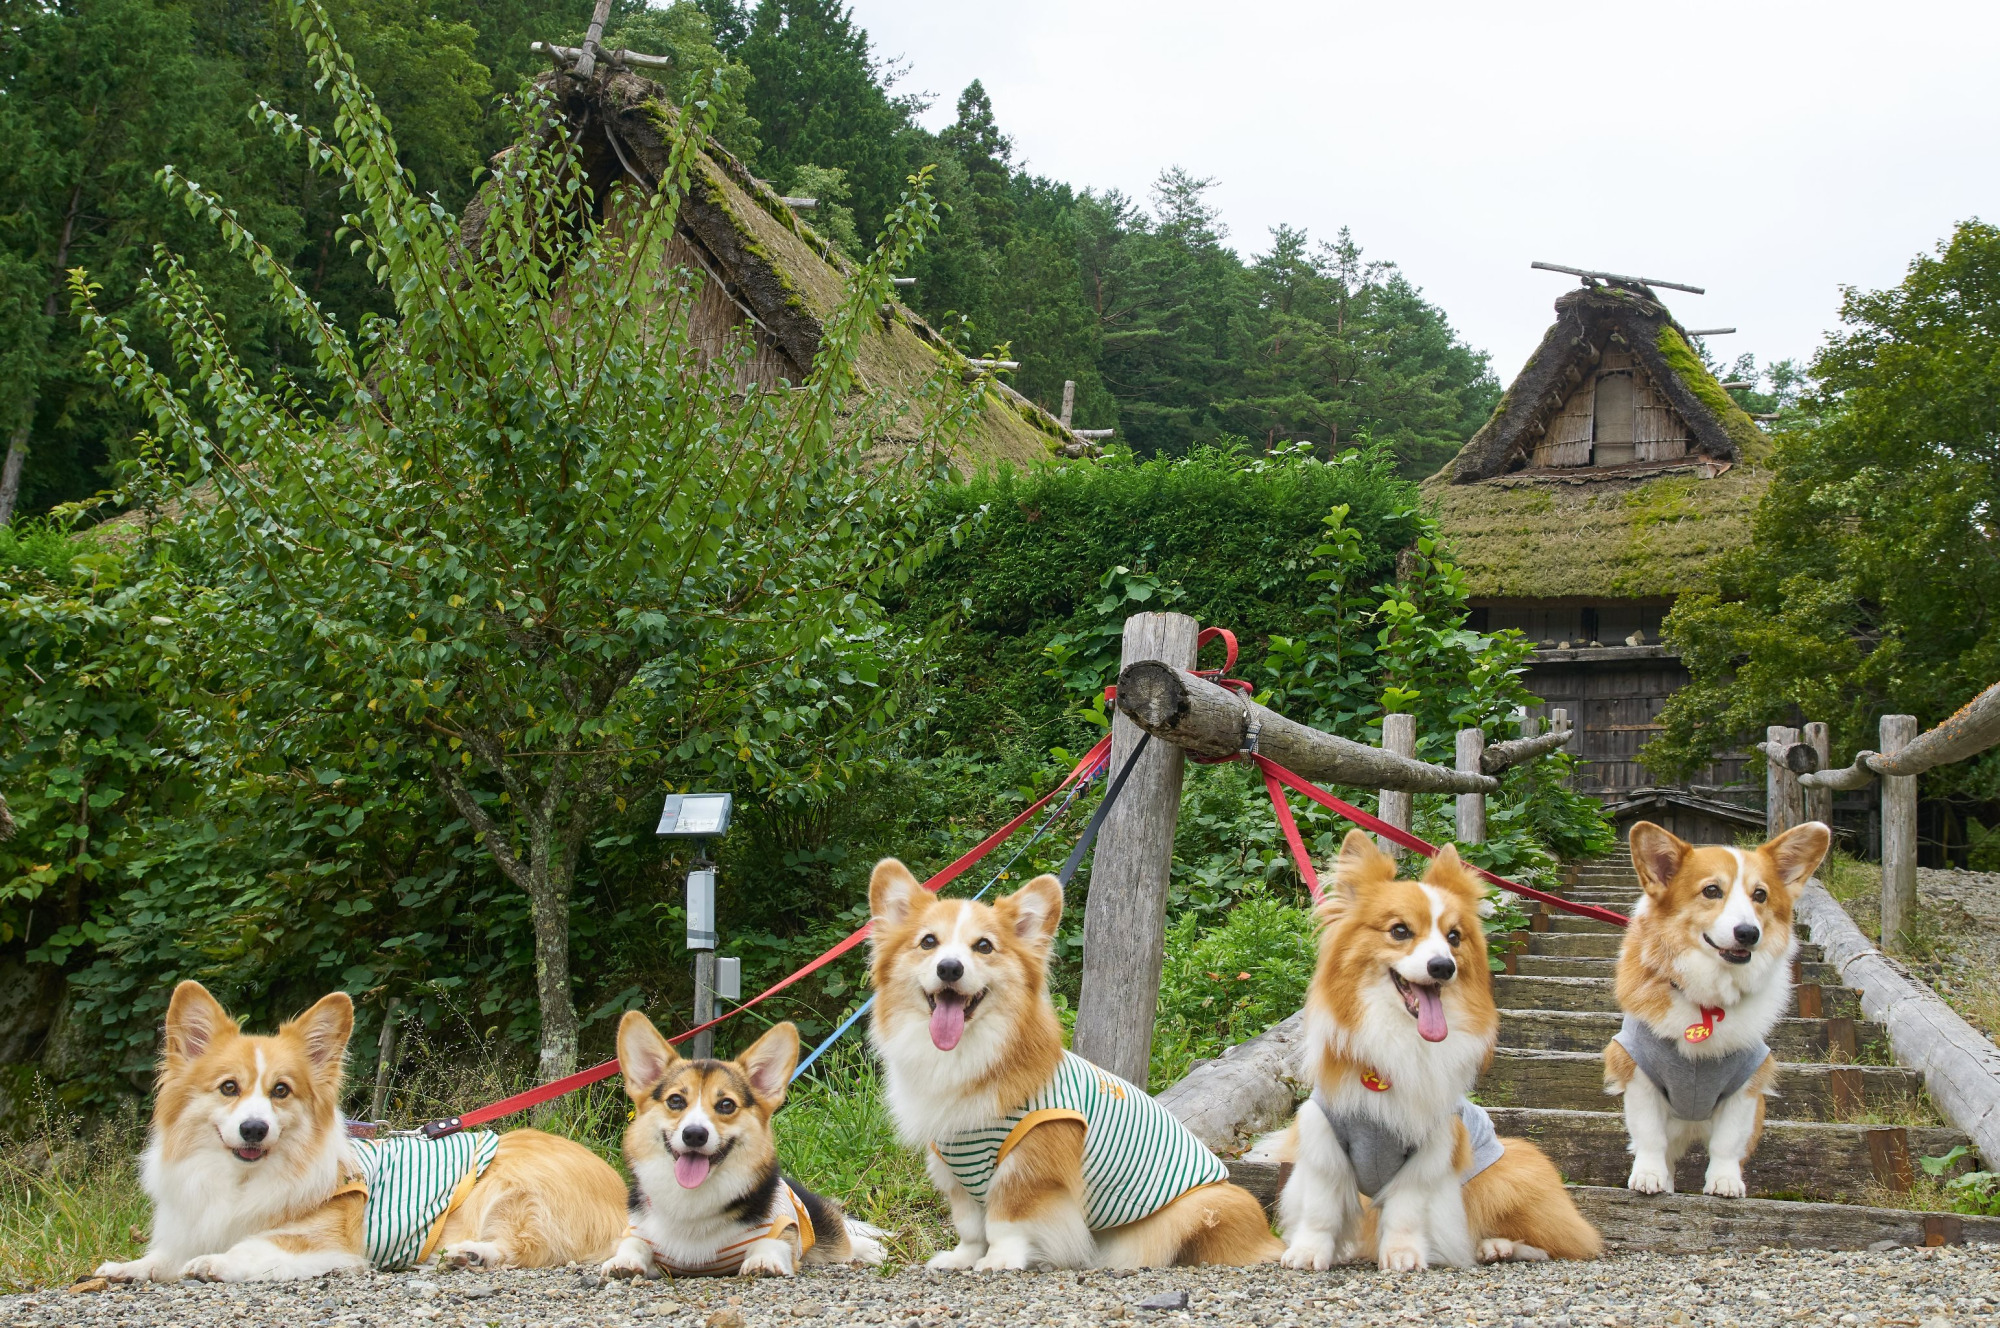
<point>707,1196</point>
<point>253,1178</point>
<point>1705,970</point>
<point>1046,1159</point>
<point>1399,1022</point>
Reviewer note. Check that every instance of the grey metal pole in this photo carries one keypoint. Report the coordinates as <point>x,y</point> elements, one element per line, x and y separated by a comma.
<point>703,1044</point>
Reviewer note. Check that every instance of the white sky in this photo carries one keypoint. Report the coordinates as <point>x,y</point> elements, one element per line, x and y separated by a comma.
<point>1767,151</point>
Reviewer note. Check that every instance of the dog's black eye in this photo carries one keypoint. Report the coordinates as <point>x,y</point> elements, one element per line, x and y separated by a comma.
<point>281,1090</point>
<point>1712,890</point>
<point>928,943</point>
<point>675,1102</point>
<point>1452,936</point>
<point>1759,895</point>
<point>983,946</point>
<point>1401,932</point>
<point>725,1106</point>
<point>228,1088</point>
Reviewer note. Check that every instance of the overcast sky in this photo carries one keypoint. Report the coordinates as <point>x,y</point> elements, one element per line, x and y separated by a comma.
<point>1768,152</point>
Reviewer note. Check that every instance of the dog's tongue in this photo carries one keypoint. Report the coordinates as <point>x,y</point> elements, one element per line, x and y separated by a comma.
<point>691,1169</point>
<point>1430,1015</point>
<point>947,1021</point>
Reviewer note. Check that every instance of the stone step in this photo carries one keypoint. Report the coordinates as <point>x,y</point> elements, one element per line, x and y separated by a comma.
<point>1695,1223</point>
<point>1557,966</point>
<point>1803,1040</point>
<point>1549,993</point>
<point>1574,1081</point>
<point>1794,1160</point>
<point>1606,947</point>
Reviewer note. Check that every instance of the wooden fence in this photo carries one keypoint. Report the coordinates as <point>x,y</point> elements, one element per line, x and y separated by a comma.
<point>1798,787</point>
<point>1124,925</point>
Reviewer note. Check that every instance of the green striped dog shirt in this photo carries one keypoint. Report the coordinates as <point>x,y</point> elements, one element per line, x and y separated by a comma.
<point>413,1185</point>
<point>1137,1158</point>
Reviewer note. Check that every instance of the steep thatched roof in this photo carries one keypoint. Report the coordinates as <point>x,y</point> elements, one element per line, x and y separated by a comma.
<point>1644,529</point>
<point>778,275</point>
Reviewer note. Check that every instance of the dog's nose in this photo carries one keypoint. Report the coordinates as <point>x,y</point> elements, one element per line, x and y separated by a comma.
<point>1746,934</point>
<point>694,1136</point>
<point>951,970</point>
<point>253,1131</point>
<point>1441,969</point>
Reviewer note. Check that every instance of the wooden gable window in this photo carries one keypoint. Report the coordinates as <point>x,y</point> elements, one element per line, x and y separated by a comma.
<point>1615,417</point>
<point>1611,419</point>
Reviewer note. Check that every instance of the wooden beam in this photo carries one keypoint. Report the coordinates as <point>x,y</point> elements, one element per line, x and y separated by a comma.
<point>1125,920</point>
<point>621,56</point>
<point>1250,1089</point>
<point>1591,274</point>
<point>1818,801</point>
<point>1518,751</point>
<point>1899,833</point>
<point>1199,717</point>
<point>1069,402</point>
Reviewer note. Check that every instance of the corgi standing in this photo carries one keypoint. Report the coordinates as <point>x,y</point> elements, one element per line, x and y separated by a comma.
<point>707,1197</point>
<point>253,1178</point>
<point>1045,1158</point>
<point>1703,973</point>
<point>1399,1022</point>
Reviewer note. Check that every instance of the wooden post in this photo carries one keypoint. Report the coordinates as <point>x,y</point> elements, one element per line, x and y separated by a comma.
<point>1783,806</point>
<point>1471,806</point>
<point>1069,401</point>
<point>385,1058</point>
<point>1819,801</point>
<point>1399,736</point>
<point>1125,921</point>
<point>586,61</point>
<point>1899,837</point>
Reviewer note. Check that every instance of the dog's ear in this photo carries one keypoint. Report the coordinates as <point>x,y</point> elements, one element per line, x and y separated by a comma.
<point>1657,854</point>
<point>195,1021</point>
<point>644,1057</point>
<point>1449,872</point>
<point>892,894</point>
<point>768,1064</point>
<point>1798,852</point>
<point>325,1029</point>
<point>1034,910</point>
<point>1361,863</point>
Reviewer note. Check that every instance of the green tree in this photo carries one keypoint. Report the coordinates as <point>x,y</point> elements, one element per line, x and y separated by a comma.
<point>1869,583</point>
<point>533,528</point>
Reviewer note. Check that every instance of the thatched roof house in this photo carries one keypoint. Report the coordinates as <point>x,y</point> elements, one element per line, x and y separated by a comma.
<point>1611,477</point>
<point>768,271</point>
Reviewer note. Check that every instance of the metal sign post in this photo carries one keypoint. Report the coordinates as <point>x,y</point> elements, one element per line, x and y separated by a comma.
<point>702,817</point>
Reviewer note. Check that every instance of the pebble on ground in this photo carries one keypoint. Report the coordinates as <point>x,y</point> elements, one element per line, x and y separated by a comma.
<point>1908,1288</point>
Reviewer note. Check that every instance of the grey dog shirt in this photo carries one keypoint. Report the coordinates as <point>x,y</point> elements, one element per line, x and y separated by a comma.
<point>1377,1152</point>
<point>1692,1087</point>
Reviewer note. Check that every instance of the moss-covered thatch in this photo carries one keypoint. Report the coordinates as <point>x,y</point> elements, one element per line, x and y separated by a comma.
<point>774,267</point>
<point>1640,531</point>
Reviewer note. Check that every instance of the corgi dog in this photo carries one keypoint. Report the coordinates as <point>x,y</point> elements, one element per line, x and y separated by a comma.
<point>1046,1159</point>
<point>253,1178</point>
<point>1400,1021</point>
<point>707,1198</point>
<point>1704,971</point>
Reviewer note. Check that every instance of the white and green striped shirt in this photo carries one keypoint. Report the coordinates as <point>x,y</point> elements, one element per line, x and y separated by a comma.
<point>413,1185</point>
<point>1137,1158</point>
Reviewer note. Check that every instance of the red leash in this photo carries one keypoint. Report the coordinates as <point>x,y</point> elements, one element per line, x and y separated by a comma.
<point>1277,779</point>
<point>1095,758</point>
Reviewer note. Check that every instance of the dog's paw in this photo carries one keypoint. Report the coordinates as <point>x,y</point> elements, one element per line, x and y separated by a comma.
<point>1313,1253</point>
<point>1650,1178</point>
<point>1725,1182</point>
<point>145,1269</point>
<point>622,1266</point>
<point>1403,1259</point>
<point>472,1254</point>
<point>955,1260</point>
<point>1498,1249</point>
<point>760,1263</point>
<point>218,1268</point>
<point>999,1261</point>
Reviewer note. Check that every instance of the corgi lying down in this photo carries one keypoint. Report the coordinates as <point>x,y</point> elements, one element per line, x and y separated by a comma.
<point>253,1178</point>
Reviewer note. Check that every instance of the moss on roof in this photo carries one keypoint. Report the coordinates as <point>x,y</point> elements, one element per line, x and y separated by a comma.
<point>1632,535</point>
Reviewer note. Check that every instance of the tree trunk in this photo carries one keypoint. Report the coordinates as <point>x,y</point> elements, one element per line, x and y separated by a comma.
<point>17,445</point>
<point>10,473</point>
<point>549,880</point>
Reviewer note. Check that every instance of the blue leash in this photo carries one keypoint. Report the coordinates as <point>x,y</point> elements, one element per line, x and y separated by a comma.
<point>1065,875</point>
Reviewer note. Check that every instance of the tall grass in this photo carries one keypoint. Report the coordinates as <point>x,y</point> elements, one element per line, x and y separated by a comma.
<point>69,1200</point>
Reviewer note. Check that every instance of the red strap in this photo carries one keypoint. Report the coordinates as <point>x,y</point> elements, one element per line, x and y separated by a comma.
<point>1099,752</point>
<point>1291,829</point>
<point>1275,774</point>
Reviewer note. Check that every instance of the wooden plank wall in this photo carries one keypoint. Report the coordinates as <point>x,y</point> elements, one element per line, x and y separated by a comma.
<point>1616,707</point>
<point>1657,433</point>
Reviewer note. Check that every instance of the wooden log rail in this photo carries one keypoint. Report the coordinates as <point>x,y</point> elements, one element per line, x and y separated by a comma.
<point>1974,728</point>
<point>1519,751</point>
<point>1203,719</point>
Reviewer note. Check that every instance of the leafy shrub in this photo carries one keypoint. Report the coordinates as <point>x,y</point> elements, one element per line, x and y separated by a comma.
<point>1228,983</point>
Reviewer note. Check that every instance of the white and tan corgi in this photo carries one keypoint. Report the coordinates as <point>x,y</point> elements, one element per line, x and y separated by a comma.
<point>1045,1158</point>
<point>1390,1159</point>
<point>1705,970</point>
<point>707,1196</point>
<point>253,1178</point>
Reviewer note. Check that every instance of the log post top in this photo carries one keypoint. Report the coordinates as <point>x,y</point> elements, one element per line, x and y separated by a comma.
<point>1203,719</point>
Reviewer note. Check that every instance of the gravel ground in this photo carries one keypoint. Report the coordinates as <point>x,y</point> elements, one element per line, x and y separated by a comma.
<point>1977,896</point>
<point>1933,1288</point>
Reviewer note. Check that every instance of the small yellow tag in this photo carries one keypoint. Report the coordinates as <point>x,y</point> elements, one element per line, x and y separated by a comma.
<point>1696,1032</point>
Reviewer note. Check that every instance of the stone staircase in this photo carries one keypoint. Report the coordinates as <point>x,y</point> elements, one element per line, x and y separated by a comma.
<point>1844,1131</point>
